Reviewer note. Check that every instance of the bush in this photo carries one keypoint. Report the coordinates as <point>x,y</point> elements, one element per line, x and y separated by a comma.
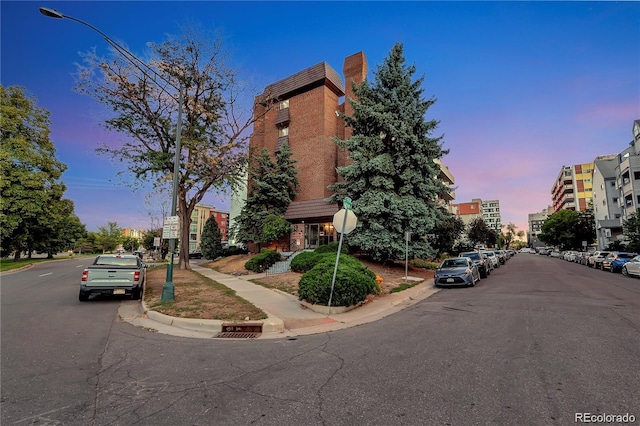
<point>424,264</point>
<point>262,261</point>
<point>331,248</point>
<point>233,250</point>
<point>353,282</point>
<point>304,261</point>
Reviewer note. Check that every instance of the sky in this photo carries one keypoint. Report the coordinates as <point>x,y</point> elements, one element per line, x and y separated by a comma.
<point>521,88</point>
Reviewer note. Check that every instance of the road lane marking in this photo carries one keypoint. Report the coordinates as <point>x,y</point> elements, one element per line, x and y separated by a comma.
<point>44,275</point>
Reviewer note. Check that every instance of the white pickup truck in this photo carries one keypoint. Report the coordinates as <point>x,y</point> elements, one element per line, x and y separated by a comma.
<point>113,275</point>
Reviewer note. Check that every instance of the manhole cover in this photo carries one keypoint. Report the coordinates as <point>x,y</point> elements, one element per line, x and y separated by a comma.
<point>237,335</point>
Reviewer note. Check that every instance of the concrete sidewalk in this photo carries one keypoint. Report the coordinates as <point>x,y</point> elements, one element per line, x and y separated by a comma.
<point>287,316</point>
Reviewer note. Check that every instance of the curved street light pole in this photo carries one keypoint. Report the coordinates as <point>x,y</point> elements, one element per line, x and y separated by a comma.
<point>168,289</point>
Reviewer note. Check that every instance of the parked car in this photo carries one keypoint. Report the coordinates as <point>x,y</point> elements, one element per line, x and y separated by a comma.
<point>632,267</point>
<point>114,274</point>
<point>615,261</point>
<point>456,271</point>
<point>555,253</point>
<point>596,259</point>
<point>481,261</point>
<point>502,256</point>
<point>582,257</point>
<point>492,257</point>
<point>195,254</point>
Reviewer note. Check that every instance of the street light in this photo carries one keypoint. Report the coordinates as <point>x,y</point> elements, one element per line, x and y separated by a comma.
<point>168,289</point>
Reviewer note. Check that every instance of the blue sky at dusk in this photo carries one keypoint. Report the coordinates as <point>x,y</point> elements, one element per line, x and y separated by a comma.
<point>522,88</point>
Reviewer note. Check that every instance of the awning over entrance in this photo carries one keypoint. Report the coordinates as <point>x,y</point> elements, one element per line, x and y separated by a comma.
<point>318,210</point>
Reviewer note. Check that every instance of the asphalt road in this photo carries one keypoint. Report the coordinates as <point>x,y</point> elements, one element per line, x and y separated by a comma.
<point>537,342</point>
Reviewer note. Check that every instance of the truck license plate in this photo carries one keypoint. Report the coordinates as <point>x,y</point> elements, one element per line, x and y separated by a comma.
<point>118,291</point>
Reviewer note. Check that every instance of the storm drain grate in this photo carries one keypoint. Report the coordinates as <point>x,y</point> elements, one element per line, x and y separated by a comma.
<point>236,335</point>
<point>241,330</point>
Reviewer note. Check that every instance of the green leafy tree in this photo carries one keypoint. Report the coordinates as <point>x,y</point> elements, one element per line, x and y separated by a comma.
<point>274,227</point>
<point>272,187</point>
<point>56,230</point>
<point>215,124</point>
<point>149,237</point>
<point>391,177</point>
<point>32,208</point>
<point>211,239</point>
<point>447,231</point>
<point>478,232</point>
<point>109,236</point>
<point>631,230</point>
<point>567,229</point>
<point>130,244</point>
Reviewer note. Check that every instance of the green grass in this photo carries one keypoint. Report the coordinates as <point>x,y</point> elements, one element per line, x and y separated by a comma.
<point>7,264</point>
<point>405,286</point>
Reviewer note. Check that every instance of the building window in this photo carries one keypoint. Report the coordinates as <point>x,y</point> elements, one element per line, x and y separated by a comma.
<point>284,104</point>
<point>283,131</point>
<point>193,237</point>
<point>636,175</point>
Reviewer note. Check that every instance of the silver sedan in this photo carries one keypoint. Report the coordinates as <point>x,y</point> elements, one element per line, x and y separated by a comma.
<point>632,267</point>
<point>456,271</point>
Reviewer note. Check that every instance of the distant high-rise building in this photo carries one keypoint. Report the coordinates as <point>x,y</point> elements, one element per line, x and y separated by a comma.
<point>536,220</point>
<point>572,189</point>
<point>468,211</point>
<point>491,214</point>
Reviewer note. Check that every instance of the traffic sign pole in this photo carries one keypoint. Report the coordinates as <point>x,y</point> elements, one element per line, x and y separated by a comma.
<point>335,269</point>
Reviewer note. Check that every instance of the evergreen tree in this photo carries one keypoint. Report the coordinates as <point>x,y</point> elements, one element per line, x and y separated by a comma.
<point>631,230</point>
<point>272,186</point>
<point>392,176</point>
<point>211,240</point>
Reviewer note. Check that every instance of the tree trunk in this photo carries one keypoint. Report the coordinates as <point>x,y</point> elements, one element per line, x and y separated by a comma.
<point>185,224</point>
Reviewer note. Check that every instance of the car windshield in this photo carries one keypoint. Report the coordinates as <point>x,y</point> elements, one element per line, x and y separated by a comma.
<point>489,253</point>
<point>116,261</point>
<point>474,256</point>
<point>453,263</point>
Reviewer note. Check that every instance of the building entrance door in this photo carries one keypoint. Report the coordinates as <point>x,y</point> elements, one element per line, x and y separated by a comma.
<point>311,236</point>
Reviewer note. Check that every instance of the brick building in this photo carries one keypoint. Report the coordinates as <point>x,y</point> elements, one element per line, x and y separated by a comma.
<point>304,116</point>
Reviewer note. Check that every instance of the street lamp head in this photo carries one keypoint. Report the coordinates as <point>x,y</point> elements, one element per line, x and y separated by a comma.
<point>51,13</point>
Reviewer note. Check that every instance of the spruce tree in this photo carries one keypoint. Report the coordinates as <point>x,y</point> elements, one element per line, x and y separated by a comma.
<point>392,176</point>
<point>211,240</point>
<point>272,187</point>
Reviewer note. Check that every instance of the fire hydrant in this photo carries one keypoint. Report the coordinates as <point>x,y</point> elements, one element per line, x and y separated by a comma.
<point>379,280</point>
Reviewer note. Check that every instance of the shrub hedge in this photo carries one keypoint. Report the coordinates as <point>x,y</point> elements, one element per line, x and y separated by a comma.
<point>262,261</point>
<point>353,282</point>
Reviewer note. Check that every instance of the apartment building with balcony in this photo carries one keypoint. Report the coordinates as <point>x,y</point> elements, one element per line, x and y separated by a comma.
<point>201,213</point>
<point>572,189</point>
<point>628,175</point>
<point>303,114</point>
<point>607,210</point>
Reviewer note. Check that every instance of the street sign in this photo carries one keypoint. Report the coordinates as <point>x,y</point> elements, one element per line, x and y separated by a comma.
<point>345,221</point>
<point>171,228</point>
<point>156,241</point>
<point>347,203</point>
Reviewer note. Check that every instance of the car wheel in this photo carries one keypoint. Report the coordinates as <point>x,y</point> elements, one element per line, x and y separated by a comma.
<point>624,271</point>
<point>83,297</point>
